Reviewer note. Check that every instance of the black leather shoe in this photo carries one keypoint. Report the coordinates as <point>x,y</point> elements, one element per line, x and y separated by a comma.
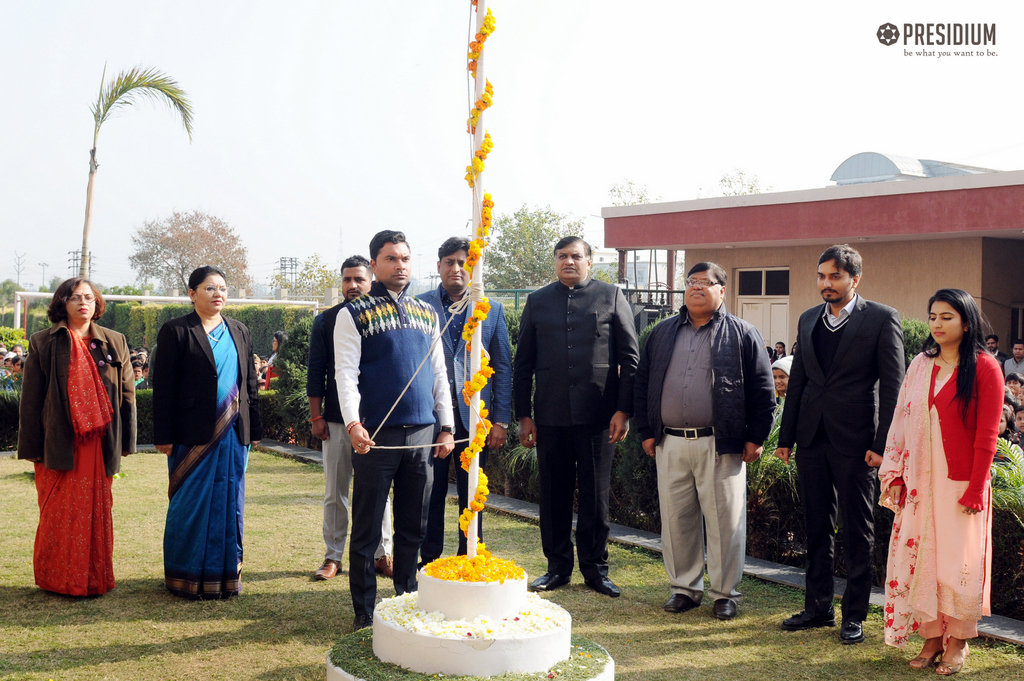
<point>362,621</point>
<point>724,609</point>
<point>680,603</point>
<point>603,585</point>
<point>851,633</point>
<point>549,581</point>
<point>809,620</point>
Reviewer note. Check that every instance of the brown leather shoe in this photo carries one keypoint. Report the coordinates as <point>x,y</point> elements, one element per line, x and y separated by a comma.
<point>327,571</point>
<point>385,566</point>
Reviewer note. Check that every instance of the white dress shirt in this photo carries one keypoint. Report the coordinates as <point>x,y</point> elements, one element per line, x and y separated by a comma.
<point>348,348</point>
<point>835,321</point>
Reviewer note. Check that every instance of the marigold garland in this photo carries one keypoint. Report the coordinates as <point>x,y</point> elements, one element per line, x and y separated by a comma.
<point>486,214</point>
<point>476,46</point>
<point>481,105</point>
<point>479,380</point>
<point>482,568</point>
<point>483,306</point>
<point>476,445</point>
<point>477,165</point>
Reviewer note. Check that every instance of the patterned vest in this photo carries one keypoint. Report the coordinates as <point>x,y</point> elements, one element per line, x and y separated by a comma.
<point>396,336</point>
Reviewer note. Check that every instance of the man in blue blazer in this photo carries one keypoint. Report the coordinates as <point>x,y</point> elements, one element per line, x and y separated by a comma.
<point>496,395</point>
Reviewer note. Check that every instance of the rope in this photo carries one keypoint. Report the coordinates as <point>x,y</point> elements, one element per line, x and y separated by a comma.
<point>475,289</point>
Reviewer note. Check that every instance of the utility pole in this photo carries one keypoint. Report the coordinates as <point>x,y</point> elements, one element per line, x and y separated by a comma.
<point>19,265</point>
<point>44,265</point>
<point>74,258</point>
<point>290,269</point>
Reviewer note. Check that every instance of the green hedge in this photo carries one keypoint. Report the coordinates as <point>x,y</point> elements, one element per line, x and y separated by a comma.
<point>11,337</point>
<point>141,323</point>
<point>9,401</point>
<point>270,412</point>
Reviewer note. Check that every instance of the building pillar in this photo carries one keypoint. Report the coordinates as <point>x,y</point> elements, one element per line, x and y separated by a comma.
<point>670,274</point>
<point>331,297</point>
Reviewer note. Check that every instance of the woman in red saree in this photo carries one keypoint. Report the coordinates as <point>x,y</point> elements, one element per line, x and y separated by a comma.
<point>77,420</point>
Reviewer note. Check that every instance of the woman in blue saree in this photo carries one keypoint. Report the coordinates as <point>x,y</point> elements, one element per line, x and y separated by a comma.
<point>205,414</point>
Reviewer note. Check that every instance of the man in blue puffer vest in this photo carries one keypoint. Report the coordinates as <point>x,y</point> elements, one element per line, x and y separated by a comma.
<point>703,404</point>
<point>379,341</point>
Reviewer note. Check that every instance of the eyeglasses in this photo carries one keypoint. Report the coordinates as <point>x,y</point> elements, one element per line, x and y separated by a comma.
<point>214,289</point>
<point>700,283</point>
<point>78,298</point>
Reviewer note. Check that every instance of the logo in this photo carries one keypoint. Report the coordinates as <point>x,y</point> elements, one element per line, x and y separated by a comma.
<point>887,34</point>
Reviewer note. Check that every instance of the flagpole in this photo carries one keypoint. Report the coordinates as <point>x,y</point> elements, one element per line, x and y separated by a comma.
<point>476,292</point>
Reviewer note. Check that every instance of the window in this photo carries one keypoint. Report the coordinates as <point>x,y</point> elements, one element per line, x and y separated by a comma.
<point>763,282</point>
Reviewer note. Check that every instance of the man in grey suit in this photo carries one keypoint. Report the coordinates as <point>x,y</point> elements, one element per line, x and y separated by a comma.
<point>577,339</point>
<point>496,395</point>
<point>843,388</point>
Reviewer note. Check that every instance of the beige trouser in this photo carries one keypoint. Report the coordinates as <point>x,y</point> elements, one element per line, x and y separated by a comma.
<point>694,482</point>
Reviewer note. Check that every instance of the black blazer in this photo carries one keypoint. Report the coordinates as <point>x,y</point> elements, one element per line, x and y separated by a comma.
<point>581,346</point>
<point>185,385</point>
<point>856,414</point>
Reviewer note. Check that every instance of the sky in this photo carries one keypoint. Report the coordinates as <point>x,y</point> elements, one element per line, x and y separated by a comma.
<point>318,123</point>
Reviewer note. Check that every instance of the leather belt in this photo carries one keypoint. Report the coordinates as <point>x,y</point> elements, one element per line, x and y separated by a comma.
<point>690,433</point>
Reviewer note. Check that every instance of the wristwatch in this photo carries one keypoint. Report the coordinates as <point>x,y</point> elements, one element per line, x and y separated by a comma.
<point>503,425</point>
<point>448,429</point>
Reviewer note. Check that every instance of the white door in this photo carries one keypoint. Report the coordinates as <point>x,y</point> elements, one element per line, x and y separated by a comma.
<point>769,316</point>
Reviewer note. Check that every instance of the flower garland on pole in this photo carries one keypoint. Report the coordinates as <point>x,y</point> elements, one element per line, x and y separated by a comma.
<point>478,564</point>
<point>482,206</point>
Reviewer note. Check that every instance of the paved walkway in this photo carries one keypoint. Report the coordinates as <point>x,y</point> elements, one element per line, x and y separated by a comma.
<point>996,627</point>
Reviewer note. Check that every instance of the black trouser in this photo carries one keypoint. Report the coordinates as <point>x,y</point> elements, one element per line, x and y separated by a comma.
<point>372,477</point>
<point>827,476</point>
<point>433,541</point>
<point>567,456</point>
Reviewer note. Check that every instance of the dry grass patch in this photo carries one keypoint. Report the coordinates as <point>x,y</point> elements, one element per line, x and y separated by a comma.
<point>283,624</point>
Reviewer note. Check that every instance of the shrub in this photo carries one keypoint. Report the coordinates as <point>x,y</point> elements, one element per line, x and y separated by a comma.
<point>144,417</point>
<point>272,415</point>
<point>9,401</point>
<point>915,332</point>
<point>292,362</point>
<point>141,323</point>
<point>10,336</point>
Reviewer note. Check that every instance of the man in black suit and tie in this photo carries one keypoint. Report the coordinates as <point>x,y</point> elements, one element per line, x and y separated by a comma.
<point>840,420</point>
<point>577,338</point>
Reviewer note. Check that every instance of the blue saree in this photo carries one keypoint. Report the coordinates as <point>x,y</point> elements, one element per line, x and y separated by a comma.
<point>203,534</point>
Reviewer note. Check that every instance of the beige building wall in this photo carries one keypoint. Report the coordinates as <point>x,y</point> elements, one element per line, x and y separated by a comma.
<point>1002,273</point>
<point>902,274</point>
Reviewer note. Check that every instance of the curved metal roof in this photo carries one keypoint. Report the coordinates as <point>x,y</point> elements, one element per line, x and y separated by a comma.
<point>871,166</point>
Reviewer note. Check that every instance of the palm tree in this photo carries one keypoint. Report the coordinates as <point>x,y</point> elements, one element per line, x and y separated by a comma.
<point>124,91</point>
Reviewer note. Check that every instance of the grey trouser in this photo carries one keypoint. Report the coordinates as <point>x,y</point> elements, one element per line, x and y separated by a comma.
<point>338,479</point>
<point>693,481</point>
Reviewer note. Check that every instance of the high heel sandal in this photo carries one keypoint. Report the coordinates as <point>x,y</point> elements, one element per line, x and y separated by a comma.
<point>946,669</point>
<point>925,661</point>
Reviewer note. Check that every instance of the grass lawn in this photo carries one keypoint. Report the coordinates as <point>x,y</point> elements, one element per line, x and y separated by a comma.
<point>283,624</point>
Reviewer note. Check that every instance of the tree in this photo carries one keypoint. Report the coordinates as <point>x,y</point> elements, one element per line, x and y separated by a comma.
<point>168,250</point>
<point>629,193</point>
<point>55,282</point>
<point>520,254</point>
<point>314,278</point>
<point>122,92</point>
<point>123,290</point>
<point>7,290</point>
<point>736,183</point>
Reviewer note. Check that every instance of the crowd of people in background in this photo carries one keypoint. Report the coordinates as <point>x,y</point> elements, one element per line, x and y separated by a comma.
<point>705,393</point>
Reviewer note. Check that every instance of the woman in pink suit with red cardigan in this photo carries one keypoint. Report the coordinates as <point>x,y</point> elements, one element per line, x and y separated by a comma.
<point>935,477</point>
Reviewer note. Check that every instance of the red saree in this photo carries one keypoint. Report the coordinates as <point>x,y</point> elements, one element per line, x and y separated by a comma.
<point>74,545</point>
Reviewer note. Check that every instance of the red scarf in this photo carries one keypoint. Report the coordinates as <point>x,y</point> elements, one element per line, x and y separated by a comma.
<point>87,396</point>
